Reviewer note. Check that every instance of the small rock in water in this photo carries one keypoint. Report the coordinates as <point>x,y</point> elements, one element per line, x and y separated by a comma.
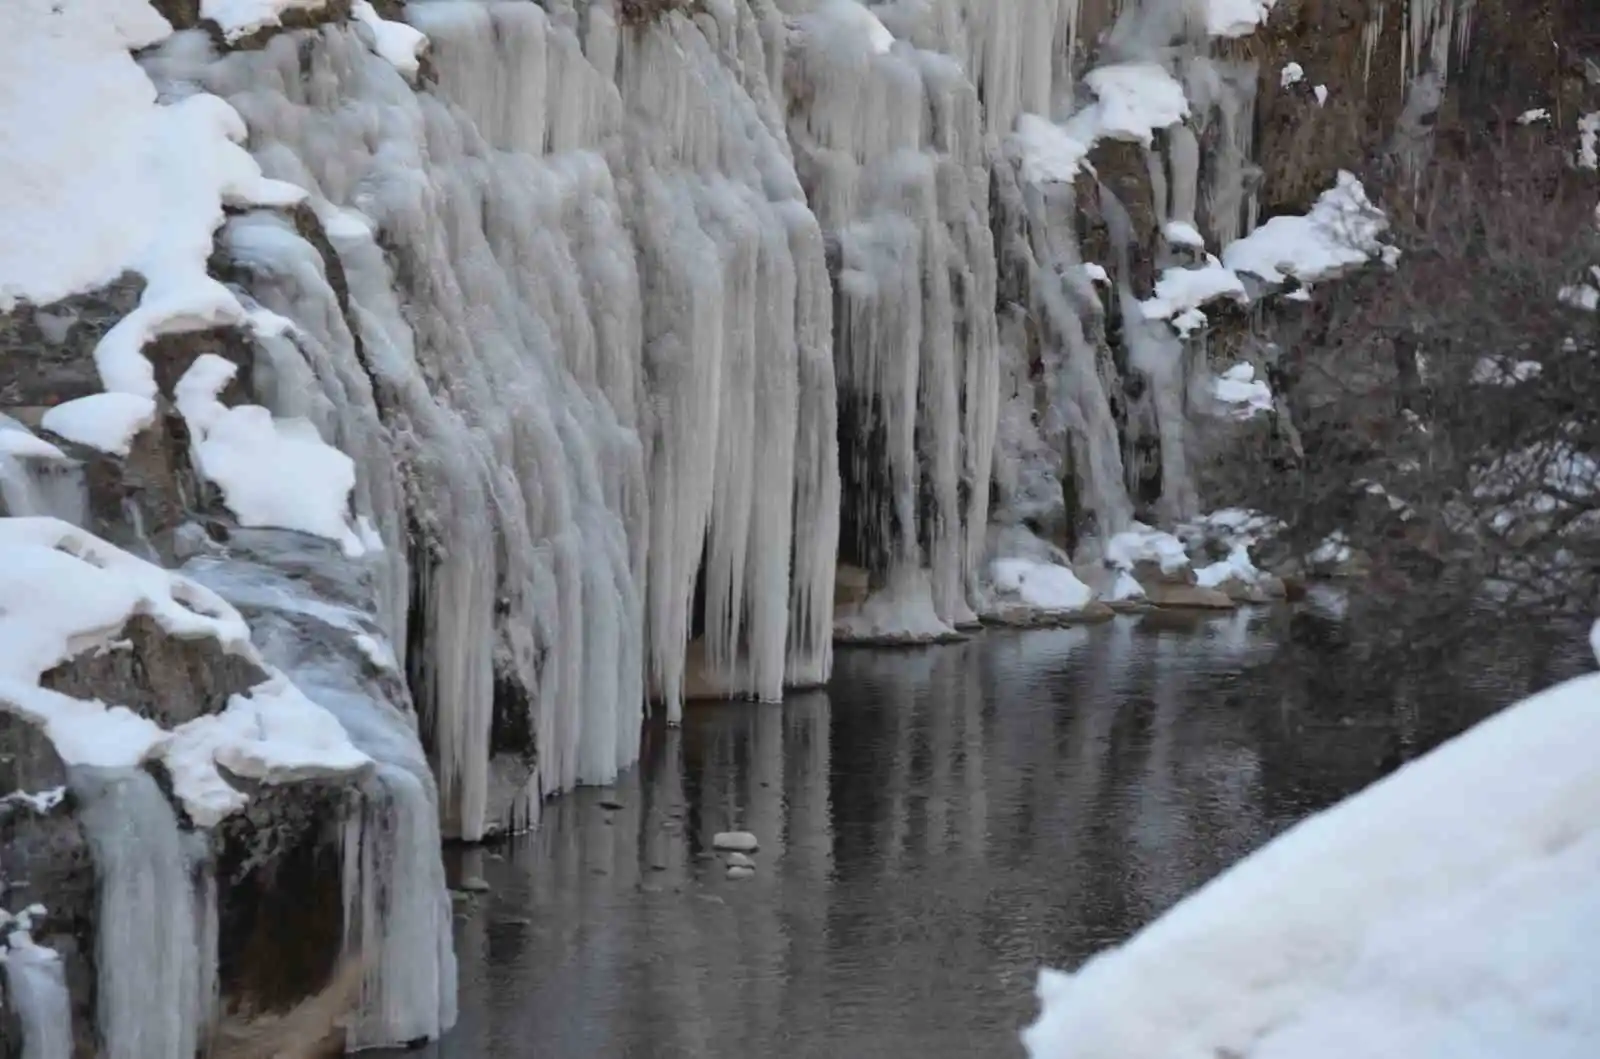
<point>736,841</point>
<point>738,871</point>
<point>739,860</point>
<point>473,884</point>
<point>610,803</point>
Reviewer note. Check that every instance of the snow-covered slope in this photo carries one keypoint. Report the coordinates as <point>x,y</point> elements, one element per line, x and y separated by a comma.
<point>1449,910</point>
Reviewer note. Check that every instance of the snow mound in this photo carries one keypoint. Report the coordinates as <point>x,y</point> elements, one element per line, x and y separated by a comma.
<point>64,591</point>
<point>1449,909</point>
<point>272,472</point>
<point>1292,74</point>
<point>1046,586</point>
<point>1340,233</point>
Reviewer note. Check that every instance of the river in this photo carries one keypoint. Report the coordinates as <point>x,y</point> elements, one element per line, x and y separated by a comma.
<point>933,828</point>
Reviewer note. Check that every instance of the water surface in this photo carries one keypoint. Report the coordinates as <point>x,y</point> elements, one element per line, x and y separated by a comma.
<point>934,828</point>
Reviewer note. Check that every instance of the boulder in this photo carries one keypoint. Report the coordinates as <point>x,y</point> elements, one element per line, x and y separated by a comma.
<point>1187,597</point>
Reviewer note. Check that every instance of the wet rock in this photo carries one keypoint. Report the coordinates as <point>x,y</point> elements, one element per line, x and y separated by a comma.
<point>735,841</point>
<point>280,902</point>
<point>47,352</point>
<point>1188,597</point>
<point>737,872</point>
<point>166,678</point>
<point>474,884</point>
<point>1025,616</point>
<point>740,860</point>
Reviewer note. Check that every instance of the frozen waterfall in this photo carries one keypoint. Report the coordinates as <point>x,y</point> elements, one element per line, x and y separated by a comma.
<point>157,964</point>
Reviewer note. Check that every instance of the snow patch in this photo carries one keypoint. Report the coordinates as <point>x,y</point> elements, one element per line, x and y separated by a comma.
<point>1240,392</point>
<point>1504,371</point>
<point>1292,74</point>
<point>1589,141</point>
<point>1528,117</point>
<point>1321,94</point>
<point>272,472</point>
<point>1182,233</point>
<point>1236,18</point>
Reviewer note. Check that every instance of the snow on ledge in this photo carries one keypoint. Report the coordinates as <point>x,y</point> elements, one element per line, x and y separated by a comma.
<point>272,472</point>
<point>240,18</point>
<point>395,42</point>
<point>105,421</point>
<point>100,180</point>
<point>1134,100</point>
<point>1240,392</point>
<point>64,591</point>
<point>1144,544</point>
<point>1448,909</point>
<point>1340,233</point>
<point>1236,18</point>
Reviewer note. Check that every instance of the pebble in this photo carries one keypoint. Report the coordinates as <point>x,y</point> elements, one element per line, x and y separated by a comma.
<point>473,884</point>
<point>739,860</point>
<point>737,841</point>
<point>740,872</point>
<point>610,803</point>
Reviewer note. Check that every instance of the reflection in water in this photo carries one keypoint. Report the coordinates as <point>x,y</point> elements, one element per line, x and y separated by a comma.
<point>933,829</point>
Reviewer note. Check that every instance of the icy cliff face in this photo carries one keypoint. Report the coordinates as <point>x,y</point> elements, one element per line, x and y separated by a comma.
<point>505,369</point>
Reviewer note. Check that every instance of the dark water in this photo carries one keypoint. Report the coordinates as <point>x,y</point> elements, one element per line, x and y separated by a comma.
<point>933,829</point>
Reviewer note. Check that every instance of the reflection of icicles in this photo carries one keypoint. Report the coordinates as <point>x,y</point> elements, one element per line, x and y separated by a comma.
<point>149,992</point>
<point>36,989</point>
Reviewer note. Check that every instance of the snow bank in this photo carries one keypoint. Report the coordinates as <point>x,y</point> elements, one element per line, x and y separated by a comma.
<point>64,591</point>
<point>1043,585</point>
<point>1240,392</point>
<point>1052,153</point>
<point>272,472</point>
<point>1340,233</point>
<point>100,180</point>
<point>1449,909</point>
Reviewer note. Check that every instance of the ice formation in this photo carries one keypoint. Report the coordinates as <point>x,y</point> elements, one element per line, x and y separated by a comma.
<point>36,988</point>
<point>1444,910</point>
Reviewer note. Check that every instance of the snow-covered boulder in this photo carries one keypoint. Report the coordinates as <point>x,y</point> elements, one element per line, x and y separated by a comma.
<point>1448,910</point>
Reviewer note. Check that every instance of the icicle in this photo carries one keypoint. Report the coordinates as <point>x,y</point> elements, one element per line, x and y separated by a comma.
<point>397,912</point>
<point>1371,34</point>
<point>36,989</point>
<point>148,952</point>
